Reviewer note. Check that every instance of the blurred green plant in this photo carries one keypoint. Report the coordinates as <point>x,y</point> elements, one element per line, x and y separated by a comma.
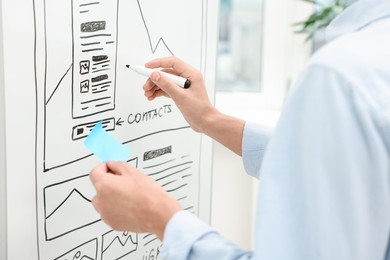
<point>324,13</point>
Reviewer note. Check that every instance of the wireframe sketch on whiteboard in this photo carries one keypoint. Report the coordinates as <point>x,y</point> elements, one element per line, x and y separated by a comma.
<point>81,49</point>
<point>94,67</point>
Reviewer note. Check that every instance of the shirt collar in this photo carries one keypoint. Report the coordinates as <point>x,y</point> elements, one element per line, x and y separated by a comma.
<point>357,16</point>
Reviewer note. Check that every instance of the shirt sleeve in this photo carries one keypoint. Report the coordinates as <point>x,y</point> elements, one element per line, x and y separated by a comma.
<point>187,237</point>
<point>254,142</point>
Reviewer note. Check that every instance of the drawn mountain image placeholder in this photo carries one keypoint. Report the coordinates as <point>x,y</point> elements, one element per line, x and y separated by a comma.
<point>68,207</point>
<point>118,244</point>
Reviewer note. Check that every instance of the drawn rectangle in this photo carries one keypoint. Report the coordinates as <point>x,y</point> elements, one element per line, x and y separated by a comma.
<point>116,245</point>
<point>68,207</point>
<point>94,77</point>
<point>87,251</point>
<point>82,130</point>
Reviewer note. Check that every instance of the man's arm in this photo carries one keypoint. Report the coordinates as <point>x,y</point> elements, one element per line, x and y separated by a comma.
<point>128,200</point>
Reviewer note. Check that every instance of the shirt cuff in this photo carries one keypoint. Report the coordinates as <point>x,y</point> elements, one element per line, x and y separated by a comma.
<point>181,232</point>
<point>254,143</point>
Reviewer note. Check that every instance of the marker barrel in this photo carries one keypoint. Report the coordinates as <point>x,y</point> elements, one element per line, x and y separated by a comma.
<point>180,81</point>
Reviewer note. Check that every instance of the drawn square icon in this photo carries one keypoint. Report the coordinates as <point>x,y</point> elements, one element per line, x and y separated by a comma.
<point>84,86</point>
<point>84,67</point>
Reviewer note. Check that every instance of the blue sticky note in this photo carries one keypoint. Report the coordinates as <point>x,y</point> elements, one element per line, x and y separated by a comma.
<point>106,147</point>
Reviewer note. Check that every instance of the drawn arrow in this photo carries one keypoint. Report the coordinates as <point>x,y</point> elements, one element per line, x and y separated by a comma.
<point>119,122</point>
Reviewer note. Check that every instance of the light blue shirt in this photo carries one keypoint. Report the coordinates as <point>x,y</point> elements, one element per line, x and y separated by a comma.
<point>325,176</point>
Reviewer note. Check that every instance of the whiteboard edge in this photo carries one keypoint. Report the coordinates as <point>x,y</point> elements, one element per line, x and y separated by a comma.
<point>3,178</point>
<point>210,57</point>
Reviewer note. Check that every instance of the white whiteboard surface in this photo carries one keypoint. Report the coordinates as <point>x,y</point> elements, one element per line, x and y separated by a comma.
<point>64,70</point>
<point>3,205</point>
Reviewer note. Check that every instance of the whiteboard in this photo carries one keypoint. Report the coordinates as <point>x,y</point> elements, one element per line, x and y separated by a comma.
<point>63,68</point>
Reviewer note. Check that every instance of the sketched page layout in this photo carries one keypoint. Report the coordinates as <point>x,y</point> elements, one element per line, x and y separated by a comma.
<point>94,69</point>
<point>82,48</point>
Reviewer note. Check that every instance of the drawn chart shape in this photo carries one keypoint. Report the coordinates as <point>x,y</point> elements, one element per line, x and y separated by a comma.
<point>153,46</point>
<point>118,244</point>
<point>68,207</point>
<point>86,251</point>
<point>95,32</point>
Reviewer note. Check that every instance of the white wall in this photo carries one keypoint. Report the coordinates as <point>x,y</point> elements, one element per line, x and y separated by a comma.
<point>232,199</point>
<point>233,203</point>
<point>3,199</point>
<point>234,192</point>
<point>284,55</point>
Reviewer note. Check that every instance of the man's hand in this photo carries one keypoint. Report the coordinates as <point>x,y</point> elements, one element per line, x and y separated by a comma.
<point>128,200</point>
<point>193,102</point>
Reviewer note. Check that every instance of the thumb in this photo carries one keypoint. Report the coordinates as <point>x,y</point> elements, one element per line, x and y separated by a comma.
<point>97,172</point>
<point>118,167</point>
<point>165,84</point>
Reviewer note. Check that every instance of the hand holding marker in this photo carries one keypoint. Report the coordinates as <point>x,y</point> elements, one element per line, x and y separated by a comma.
<point>180,81</point>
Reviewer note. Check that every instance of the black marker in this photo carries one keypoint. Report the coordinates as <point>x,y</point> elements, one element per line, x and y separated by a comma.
<point>180,81</point>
